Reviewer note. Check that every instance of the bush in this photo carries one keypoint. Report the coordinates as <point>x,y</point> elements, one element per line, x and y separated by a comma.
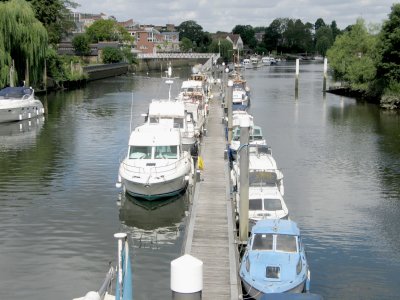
<point>111,55</point>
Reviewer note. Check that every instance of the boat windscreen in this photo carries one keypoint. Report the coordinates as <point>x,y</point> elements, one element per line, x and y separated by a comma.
<point>140,152</point>
<point>262,178</point>
<point>286,243</point>
<point>272,204</point>
<point>15,92</point>
<point>255,204</point>
<point>166,152</point>
<point>262,241</point>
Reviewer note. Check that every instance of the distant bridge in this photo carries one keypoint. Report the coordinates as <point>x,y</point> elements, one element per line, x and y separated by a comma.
<point>178,55</point>
<point>210,58</point>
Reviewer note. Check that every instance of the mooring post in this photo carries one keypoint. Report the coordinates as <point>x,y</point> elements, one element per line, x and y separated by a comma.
<point>296,85</point>
<point>186,278</point>
<point>325,74</point>
<point>244,180</point>
<point>229,103</point>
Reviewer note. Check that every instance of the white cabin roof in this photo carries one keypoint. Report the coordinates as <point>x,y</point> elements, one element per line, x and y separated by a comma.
<point>167,108</point>
<point>154,135</point>
<point>262,162</point>
<point>195,84</point>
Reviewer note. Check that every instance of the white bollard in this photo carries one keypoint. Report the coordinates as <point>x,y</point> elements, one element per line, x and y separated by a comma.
<point>186,278</point>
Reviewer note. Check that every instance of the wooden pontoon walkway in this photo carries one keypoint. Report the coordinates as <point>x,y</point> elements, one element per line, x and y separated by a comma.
<point>210,233</point>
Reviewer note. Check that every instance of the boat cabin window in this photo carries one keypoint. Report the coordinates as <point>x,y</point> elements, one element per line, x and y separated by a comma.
<point>140,152</point>
<point>272,204</point>
<point>255,135</point>
<point>262,178</point>
<point>262,241</point>
<point>178,122</point>
<point>286,243</point>
<point>154,120</point>
<point>255,204</point>
<point>166,152</point>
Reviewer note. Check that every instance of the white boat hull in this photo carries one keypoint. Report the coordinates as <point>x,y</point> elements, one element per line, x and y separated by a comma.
<point>155,190</point>
<point>20,111</point>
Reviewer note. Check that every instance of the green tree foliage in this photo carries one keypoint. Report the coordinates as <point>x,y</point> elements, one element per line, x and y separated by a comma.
<point>194,32</point>
<point>389,44</point>
<point>273,36</point>
<point>23,39</point>
<point>297,37</point>
<point>186,44</point>
<point>323,39</point>
<point>247,34</point>
<point>81,44</point>
<point>107,30</point>
<point>111,55</point>
<point>353,57</point>
<point>318,24</point>
<point>55,16</point>
<point>335,30</point>
<point>224,46</point>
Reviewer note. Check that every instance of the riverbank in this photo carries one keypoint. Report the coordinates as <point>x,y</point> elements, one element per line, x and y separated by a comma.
<point>391,102</point>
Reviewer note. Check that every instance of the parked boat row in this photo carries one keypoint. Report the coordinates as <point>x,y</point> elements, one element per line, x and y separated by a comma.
<point>274,260</point>
<point>159,161</point>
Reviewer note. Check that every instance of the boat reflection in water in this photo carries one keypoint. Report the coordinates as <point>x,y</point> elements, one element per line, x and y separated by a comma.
<point>152,223</point>
<point>20,135</point>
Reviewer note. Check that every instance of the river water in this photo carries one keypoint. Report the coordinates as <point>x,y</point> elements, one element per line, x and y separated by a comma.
<point>59,207</point>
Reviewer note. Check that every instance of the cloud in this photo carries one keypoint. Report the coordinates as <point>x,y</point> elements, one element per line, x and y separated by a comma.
<point>223,15</point>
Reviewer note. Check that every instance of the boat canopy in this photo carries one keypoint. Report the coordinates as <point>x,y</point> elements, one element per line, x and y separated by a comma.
<point>15,92</point>
<point>192,84</point>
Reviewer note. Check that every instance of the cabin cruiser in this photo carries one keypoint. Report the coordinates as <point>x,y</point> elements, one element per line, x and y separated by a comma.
<point>155,165</point>
<point>255,137</point>
<point>265,187</point>
<point>19,103</point>
<point>172,114</point>
<point>196,103</point>
<point>275,260</point>
<point>262,163</point>
<point>240,92</point>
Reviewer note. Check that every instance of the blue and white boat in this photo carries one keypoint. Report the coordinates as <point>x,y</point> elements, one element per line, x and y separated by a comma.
<point>274,260</point>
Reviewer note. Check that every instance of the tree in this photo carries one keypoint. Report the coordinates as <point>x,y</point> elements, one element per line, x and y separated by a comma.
<point>274,35</point>
<point>297,37</point>
<point>247,34</point>
<point>107,30</point>
<point>55,16</point>
<point>192,31</point>
<point>224,47</point>
<point>318,24</point>
<point>389,46</point>
<point>111,55</point>
<point>323,40</point>
<point>353,57</point>
<point>81,44</point>
<point>23,39</point>
<point>335,31</point>
<point>186,44</point>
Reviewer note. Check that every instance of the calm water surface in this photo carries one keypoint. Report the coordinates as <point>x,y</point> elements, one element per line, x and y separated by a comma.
<point>58,201</point>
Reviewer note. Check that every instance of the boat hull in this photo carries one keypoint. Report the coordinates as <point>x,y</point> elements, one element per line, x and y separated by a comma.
<point>257,294</point>
<point>155,190</point>
<point>21,112</point>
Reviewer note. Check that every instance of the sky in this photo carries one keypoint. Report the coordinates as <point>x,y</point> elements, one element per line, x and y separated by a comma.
<point>224,15</point>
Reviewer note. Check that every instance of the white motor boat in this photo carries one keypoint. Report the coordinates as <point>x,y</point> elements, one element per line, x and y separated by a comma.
<point>155,165</point>
<point>19,103</point>
<point>265,186</point>
<point>172,114</point>
<point>196,103</point>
